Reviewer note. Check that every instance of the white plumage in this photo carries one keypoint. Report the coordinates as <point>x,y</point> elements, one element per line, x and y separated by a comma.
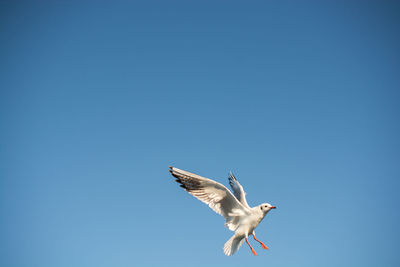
<point>239,216</point>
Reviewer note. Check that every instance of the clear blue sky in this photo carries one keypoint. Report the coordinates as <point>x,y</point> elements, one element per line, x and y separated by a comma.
<point>299,100</point>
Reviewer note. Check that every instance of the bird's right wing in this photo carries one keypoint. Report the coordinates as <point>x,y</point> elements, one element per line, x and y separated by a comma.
<point>214,194</point>
<point>238,190</point>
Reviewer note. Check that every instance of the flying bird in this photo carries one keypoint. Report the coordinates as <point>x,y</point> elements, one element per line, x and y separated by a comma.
<point>240,217</point>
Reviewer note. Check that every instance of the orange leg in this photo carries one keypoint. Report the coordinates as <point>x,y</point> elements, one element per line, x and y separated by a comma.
<point>252,250</point>
<point>262,244</point>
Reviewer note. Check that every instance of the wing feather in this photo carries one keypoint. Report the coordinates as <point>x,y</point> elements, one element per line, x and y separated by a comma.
<point>238,190</point>
<point>212,193</point>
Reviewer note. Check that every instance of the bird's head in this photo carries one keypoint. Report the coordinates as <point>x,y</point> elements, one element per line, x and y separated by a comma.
<point>265,207</point>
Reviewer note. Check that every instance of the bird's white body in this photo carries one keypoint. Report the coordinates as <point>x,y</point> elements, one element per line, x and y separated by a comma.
<point>239,216</point>
<point>250,222</point>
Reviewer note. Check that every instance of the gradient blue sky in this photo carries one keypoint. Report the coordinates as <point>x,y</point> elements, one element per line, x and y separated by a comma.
<point>300,100</point>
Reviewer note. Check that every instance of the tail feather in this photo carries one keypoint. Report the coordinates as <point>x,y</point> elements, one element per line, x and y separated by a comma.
<point>233,244</point>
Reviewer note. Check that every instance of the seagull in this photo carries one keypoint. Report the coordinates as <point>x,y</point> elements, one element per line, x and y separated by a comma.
<point>239,216</point>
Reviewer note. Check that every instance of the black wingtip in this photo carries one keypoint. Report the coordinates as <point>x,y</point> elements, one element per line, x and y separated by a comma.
<point>179,181</point>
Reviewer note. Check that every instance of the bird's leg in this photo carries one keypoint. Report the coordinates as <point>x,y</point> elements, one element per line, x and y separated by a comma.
<point>262,244</point>
<point>252,249</point>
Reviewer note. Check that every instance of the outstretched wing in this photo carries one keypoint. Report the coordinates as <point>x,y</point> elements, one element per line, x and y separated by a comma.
<point>238,190</point>
<point>214,194</point>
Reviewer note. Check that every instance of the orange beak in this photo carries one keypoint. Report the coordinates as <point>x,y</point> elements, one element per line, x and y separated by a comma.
<point>273,207</point>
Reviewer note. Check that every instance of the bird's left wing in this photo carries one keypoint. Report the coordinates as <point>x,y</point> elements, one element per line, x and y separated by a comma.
<point>214,194</point>
<point>238,190</point>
